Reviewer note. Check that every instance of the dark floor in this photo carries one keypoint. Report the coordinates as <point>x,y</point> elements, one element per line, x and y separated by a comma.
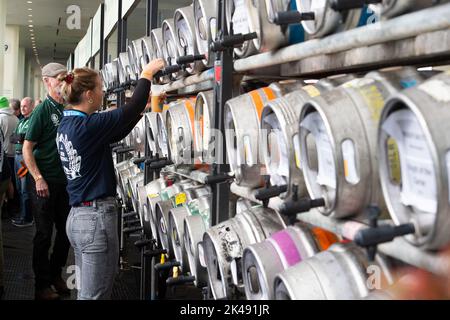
<point>19,278</point>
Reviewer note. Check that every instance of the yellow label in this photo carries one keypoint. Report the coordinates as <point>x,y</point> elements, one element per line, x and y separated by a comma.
<point>346,168</point>
<point>374,100</point>
<point>312,91</point>
<point>180,198</point>
<point>297,159</point>
<point>394,161</point>
<point>153,195</point>
<point>163,259</point>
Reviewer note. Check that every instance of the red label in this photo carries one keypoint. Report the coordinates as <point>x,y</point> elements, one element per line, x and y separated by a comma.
<point>218,73</point>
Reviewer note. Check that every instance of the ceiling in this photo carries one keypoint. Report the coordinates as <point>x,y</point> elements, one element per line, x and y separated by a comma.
<point>54,41</point>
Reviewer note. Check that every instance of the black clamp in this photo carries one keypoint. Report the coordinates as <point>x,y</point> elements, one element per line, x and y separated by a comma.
<point>344,5</point>
<point>188,59</point>
<point>371,237</point>
<point>232,41</point>
<point>268,192</point>
<point>180,280</point>
<point>154,253</point>
<point>294,206</point>
<point>166,265</point>
<point>129,223</point>
<point>160,164</point>
<point>122,150</point>
<point>129,214</point>
<point>182,62</point>
<point>292,17</point>
<point>218,178</point>
<point>132,229</point>
<point>117,145</point>
<point>145,242</point>
<point>141,160</point>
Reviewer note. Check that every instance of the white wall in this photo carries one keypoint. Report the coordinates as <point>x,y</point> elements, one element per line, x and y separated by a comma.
<point>20,80</point>
<point>11,63</point>
<point>2,41</point>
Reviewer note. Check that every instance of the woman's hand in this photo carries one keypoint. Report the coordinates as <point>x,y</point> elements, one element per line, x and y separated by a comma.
<point>152,68</point>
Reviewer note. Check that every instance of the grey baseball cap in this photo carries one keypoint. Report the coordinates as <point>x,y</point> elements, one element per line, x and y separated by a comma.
<point>53,69</point>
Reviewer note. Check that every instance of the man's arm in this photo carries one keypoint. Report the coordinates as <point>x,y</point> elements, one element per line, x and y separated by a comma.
<point>30,162</point>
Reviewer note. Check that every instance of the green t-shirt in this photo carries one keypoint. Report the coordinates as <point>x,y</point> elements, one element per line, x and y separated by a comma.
<point>22,128</point>
<point>42,128</point>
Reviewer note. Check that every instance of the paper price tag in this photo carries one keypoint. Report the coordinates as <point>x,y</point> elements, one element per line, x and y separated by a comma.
<point>327,171</point>
<point>240,19</point>
<point>312,91</point>
<point>419,185</point>
<point>180,199</point>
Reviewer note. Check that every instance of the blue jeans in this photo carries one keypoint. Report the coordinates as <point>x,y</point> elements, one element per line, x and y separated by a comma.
<point>92,231</point>
<point>21,183</point>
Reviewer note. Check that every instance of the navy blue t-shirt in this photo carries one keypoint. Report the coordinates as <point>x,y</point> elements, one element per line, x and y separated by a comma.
<point>85,152</point>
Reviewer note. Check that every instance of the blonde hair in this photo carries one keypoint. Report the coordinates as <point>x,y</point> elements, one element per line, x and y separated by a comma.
<point>76,82</point>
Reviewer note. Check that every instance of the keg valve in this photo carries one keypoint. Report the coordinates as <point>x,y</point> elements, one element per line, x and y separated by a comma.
<point>218,178</point>
<point>292,17</point>
<point>268,192</point>
<point>371,237</point>
<point>232,41</point>
<point>294,206</point>
<point>187,59</point>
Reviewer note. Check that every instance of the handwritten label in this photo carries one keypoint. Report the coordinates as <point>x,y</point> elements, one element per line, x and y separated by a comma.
<point>419,186</point>
<point>240,18</point>
<point>327,171</point>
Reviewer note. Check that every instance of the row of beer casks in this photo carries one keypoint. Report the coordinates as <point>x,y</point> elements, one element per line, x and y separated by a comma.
<point>193,29</point>
<point>252,255</point>
<point>352,141</point>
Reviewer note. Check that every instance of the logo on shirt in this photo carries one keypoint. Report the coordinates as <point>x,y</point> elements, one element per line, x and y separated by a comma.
<point>70,159</point>
<point>55,119</point>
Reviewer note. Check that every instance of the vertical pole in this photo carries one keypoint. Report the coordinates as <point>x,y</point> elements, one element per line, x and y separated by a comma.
<point>151,16</point>
<point>222,93</point>
<point>122,45</point>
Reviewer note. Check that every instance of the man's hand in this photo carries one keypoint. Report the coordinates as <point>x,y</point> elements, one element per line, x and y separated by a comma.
<point>42,188</point>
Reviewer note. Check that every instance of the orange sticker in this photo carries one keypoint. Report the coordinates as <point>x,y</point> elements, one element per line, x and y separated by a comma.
<point>324,238</point>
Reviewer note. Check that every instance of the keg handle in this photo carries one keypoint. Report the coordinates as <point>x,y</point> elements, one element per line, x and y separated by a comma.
<point>232,41</point>
<point>268,192</point>
<point>371,237</point>
<point>292,17</point>
<point>294,206</point>
<point>343,5</point>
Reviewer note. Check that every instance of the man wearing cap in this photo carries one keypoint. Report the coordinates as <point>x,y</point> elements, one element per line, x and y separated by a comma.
<point>47,188</point>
